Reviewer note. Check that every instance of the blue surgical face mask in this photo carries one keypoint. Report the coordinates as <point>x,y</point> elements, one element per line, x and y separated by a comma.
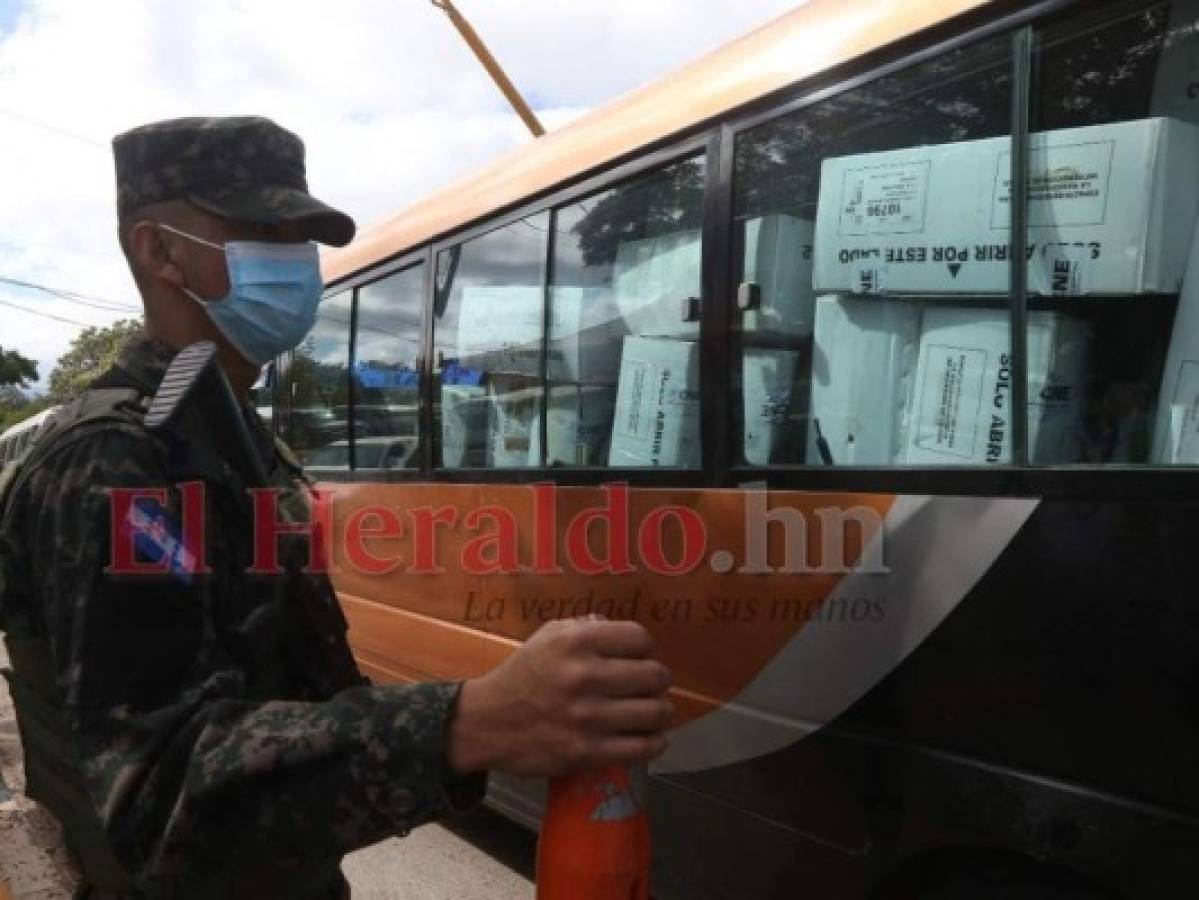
<point>274,292</point>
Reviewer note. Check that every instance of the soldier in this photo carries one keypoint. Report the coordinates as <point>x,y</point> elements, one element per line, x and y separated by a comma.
<point>207,733</point>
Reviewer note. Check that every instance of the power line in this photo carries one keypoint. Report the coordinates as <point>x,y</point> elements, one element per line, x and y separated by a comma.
<point>102,303</point>
<point>46,315</point>
<point>54,129</point>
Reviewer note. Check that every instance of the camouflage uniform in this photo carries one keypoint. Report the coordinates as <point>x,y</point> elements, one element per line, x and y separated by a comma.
<point>229,745</point>
<point>224,749</point>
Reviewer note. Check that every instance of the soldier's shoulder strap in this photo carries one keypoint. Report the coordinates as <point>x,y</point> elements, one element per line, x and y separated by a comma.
<point>92,411</point>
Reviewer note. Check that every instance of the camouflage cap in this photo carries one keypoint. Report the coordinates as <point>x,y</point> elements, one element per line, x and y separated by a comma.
<point>243,168</point>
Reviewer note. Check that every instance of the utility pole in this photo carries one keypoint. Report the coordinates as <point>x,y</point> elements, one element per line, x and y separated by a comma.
<point>493,68</point>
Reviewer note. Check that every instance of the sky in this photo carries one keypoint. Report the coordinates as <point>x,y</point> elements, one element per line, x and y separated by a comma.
<point>388,99</point>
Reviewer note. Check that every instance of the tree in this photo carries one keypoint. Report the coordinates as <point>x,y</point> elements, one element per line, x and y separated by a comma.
<point>10,417</point>
<point>12,398</point>
<point>92,351</point>
<point>667,203</point>
<point>15,369</point>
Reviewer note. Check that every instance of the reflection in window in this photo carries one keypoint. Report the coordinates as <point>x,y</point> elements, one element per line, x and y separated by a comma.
<point>872,321</point>
<point>623,353</point>
<point>387,372</point>
<point>320,387</point>
<point>1115,99</point>
<point>488,312</point>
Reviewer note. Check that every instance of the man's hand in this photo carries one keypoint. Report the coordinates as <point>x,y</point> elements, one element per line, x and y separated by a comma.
<point>578,694</point>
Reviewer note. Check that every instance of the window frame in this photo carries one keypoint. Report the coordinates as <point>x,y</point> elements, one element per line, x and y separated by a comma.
<point>716,138</point>
<point>399,265</point>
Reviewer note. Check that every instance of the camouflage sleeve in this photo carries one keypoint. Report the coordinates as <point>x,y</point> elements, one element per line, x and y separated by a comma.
<point>186,771</point>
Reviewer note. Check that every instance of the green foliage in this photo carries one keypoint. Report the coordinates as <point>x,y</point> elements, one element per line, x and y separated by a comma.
<point>16,369</point>
<point>92,351</point>
<point>12,398</point>
<point>10,416</point>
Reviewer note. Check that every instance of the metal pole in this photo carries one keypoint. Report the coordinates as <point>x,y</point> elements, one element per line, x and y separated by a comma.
<point>1023,47</point>
<point>493,68</point>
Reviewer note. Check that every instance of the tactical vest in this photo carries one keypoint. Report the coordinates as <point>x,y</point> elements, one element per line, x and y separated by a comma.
<point>52,765</point>
<point>53,771</point>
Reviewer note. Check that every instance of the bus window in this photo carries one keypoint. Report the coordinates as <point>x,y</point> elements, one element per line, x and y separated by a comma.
<point>869,331</point>
<point>320,385</point>
<point>623,352</point>
<point>386,380</point>
<point>1113,160</point>
<point>489,309</point>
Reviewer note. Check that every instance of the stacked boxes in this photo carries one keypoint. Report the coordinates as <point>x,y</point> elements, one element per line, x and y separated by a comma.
<point>863,358</point>
<point>657,404</point>
<point>1104,208</point>
<point>778,259</point>
<point>920,382</point>
<point>961,405</point>
<point>654,280</point>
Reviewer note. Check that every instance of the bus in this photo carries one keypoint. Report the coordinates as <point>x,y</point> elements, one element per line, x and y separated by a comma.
<point>858,360</point>
<point>20,437</point>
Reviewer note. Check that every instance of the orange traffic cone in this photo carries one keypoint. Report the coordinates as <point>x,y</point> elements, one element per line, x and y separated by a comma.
<point>595,842</point>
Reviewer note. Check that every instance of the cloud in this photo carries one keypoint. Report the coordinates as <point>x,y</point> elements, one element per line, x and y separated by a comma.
<point>389,100</point>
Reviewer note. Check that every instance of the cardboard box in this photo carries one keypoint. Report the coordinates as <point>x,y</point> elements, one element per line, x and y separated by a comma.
<point>500,328</point>
<point>657,404</point>
<point>512,406</point>
<point>578,426</point>
<point>499,331</point>
<point>653,279</point>
<point>586,332</point>
<point>1105,207</point>
<point>961,405</point>
<point>1176,432</point>
<point>463,426</point>
<point>778,259</point>
<point>772,424</point>
<point>864,356</point>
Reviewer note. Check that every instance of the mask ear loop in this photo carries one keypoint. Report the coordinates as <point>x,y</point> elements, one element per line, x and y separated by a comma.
<point>199,240</point>
<point>192,237</point>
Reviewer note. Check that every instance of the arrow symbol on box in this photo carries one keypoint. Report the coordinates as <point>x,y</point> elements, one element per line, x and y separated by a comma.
<point>954,268</point>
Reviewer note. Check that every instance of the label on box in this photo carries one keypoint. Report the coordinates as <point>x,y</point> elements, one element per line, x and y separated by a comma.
<point>888,199</point>
<point>1069,266</point>
<point>1068,184</point>
<point>950,400</point>
<point>657,405</point>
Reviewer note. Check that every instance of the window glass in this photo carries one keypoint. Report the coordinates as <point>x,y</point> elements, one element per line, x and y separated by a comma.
<point>1113,273</point>
<point>386,380</point>
<point>871,237</point>
<point>320,387</point>
<point>489,313</point>
<point>623,344</point>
